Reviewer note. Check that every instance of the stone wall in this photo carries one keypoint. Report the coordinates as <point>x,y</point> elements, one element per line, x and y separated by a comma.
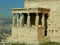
<point>54,17</point>
<point>29,35</point>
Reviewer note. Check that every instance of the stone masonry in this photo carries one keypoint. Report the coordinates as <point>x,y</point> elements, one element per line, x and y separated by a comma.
<point>37,22</point>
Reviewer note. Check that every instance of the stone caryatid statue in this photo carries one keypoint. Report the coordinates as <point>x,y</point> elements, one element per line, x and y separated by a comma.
<point>13,20</point>
<point>21,20</point>
<point>37,20</point>
<point>43,21</point>
<point>28,20</point>
<point>17,21</point>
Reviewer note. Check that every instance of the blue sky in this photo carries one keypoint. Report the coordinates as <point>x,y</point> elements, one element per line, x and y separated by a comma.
<point>6,5</point>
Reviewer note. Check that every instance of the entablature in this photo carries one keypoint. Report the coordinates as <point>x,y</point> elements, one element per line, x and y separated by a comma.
<point>30,10</point>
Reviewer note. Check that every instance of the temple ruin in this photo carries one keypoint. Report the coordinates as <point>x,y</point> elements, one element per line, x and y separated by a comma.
<point>34,23</point>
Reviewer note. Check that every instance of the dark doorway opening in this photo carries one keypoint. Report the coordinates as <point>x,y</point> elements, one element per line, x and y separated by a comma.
<point>45,24</point>
<point>25,18</point>
<point>32,18</point>
<point>40,18</point>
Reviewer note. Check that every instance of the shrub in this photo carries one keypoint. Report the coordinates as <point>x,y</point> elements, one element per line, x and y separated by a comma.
<point>51,43</point>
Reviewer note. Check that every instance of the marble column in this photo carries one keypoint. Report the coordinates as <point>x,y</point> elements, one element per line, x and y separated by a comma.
<point>13,20</point>
<point>43,20</point>
<point>28,20</point>
<point>37,19</point>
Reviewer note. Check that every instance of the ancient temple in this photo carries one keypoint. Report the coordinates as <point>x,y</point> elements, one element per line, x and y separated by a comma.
<point>33,23</point>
